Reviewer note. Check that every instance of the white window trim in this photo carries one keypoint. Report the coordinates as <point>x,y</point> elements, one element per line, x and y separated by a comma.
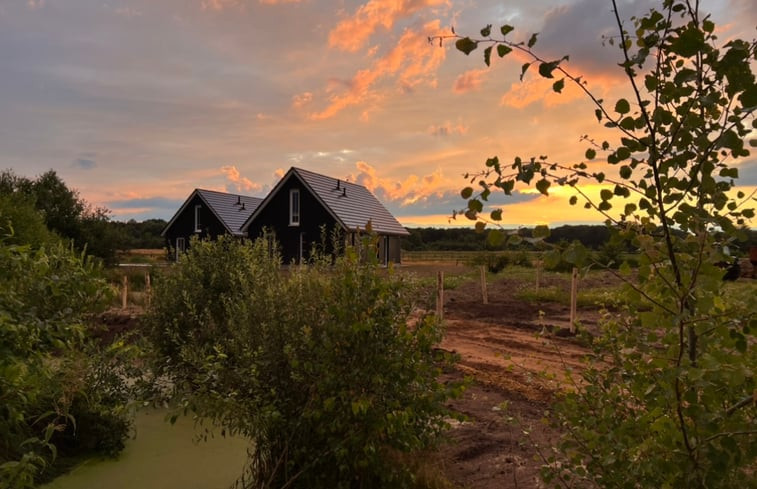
<point>294,214</point>
<point>180,247</point>
<point>197,218</point>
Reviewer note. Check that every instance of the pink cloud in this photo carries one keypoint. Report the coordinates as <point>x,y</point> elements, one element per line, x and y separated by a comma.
<point>352,33</point>
<point>408,191</point>
<point>239,182</point>
<point>410,63</point>
<point>448,128</point>
<point>469,81</point>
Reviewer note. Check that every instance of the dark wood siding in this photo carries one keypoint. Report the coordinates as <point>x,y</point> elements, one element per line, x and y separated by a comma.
<point>184,225</point>
<point>315,220</point>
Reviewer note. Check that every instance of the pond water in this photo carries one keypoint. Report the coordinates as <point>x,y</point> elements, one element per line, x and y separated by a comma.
<point>162,456</point>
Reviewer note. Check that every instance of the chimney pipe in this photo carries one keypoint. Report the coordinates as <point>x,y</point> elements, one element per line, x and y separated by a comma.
<point>344,192</point>
<point>338,184</point>
<point>242,208</point>
<point>239,200</point>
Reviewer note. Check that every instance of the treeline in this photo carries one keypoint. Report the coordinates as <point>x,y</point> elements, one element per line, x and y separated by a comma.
<point>45,211</point>
<point>594,237</point>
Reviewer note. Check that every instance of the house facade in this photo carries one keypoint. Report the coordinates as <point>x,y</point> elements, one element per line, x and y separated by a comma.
<point>307,209</point>
<point>207,214</point>
<point>304,209</point>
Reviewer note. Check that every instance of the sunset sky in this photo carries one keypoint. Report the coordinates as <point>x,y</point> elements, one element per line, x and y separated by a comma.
<point>136,103</point>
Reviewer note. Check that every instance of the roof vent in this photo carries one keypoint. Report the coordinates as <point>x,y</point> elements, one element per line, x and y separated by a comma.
<point>344,192</point>
<point>239,200</point>
<point>242,208</point>
<point>338,184</point>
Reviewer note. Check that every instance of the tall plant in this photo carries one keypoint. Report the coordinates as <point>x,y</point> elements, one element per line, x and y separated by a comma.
<point>322,367</point>
<point>667,399</point>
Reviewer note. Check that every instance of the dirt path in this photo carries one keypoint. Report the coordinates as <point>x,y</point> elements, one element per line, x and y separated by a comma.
<point>506,346</point>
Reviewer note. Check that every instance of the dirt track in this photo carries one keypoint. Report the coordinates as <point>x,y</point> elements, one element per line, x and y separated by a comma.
<point>505,346</point>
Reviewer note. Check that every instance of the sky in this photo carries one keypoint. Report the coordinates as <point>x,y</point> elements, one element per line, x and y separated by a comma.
<point>136,103</point>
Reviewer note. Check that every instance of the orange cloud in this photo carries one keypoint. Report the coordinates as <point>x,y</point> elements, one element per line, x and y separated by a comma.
<point>352,33</point>
<point>411,62</point>
<point>218,4</point>
<point>469,81</point>
<point>447,128</point>
<point>522,94</point>
<point>240,183</point>
<point>408,191</point>
<point>299,101</point>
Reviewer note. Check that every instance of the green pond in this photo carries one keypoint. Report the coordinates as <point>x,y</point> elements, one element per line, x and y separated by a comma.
<point>162,456</point>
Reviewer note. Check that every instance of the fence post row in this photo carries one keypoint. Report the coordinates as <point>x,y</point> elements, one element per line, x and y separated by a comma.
<point>440,295</point>
<point>573,299</point>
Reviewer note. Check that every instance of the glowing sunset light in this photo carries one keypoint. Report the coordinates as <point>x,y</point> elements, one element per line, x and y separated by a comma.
<point>137,103</point>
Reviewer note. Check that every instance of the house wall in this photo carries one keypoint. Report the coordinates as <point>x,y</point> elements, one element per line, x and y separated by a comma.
<point>313,218</point>
<point>184,225</point>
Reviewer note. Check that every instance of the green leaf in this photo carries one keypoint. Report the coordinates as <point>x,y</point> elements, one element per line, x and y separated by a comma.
<point>488,56</point>
<point>495,238</point>
<point>466,192</point>
<point>598,114</point>
<point>622,106</point>
<point>466,45</point>
<point>546,69</point>
<point>541,231</point>
<point>503,50</point>
<point>523,70</point>
<point>475,205</point>
<point>486,31</point>
<point>480,226</point>
<point>625,172</point>
<point>573,200</point>
<point>605,194</point>
<point>558,85</point>
<point>543,186</point>
<point>506,29</point>
<point>496,215</point>
<point>590,154</point>
<point>532,40</point>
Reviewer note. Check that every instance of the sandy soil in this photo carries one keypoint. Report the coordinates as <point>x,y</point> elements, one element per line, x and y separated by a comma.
<point>505,346</point>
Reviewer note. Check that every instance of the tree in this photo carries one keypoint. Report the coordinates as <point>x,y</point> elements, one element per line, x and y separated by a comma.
<point>321,367</point>
<point>66,213</point>
<point>667,398</point>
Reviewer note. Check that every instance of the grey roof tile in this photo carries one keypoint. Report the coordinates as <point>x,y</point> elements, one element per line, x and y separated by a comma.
<point>353,204</point>
<point>232,209</point>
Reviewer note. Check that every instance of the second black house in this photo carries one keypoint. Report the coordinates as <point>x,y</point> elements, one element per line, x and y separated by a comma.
<point>305,206</point>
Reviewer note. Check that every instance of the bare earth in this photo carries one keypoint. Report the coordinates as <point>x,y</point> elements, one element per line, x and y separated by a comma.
<point>505,346</point>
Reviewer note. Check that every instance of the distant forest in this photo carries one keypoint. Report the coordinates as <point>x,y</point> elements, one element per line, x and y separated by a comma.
<point>467,239</point>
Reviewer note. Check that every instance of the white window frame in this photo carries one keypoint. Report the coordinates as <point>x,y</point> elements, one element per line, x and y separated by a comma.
<point>181,247</point>
<point>198,223</point>
<point>294,207</point>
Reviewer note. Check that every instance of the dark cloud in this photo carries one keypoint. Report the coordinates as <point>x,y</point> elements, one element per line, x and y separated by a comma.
<point>84,163</point>
<point>450,201</point>
<point>578,30</point>
<point>150,202</point>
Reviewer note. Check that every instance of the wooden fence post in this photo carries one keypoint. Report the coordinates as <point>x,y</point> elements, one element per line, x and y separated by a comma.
<point>148,289</point>
<point>124,291</point>
<point>484,292</point>
<point>573,299</point>
<point>440,295</point>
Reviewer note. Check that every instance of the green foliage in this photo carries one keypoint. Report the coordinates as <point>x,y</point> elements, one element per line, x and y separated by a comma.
<point>47,379</point>
<point>667,398</point>
<point>321,365</point>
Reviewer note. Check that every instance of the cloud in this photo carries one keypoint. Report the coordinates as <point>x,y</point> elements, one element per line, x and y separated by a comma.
<point>301,100</point>
<point>469,81</point>
<point>447,129</point>
<point>35,4</point>
<point>523,94</point>
<point>239,183</point>
<point>409,63</point>
<point>219,4</point>
<point>84,163</point>
<point>352,33</point>
<point>406,192</point>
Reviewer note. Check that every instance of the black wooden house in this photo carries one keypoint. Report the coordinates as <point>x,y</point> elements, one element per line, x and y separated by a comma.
<point>306,207</point>
<point>208,214</point>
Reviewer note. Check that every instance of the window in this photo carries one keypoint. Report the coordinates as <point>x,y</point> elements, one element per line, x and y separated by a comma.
<point>180,247</point>
<point>294,207</point>
<point>198,222</point>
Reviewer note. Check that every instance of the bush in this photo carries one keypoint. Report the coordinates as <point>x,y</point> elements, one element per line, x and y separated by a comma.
<point>321,366</point>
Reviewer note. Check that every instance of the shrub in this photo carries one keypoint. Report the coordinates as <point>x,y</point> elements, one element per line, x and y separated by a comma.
<point>321,366</point>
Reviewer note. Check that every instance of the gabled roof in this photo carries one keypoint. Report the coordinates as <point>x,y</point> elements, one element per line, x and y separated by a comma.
<point>231,209</point>
<point>352,205</point>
